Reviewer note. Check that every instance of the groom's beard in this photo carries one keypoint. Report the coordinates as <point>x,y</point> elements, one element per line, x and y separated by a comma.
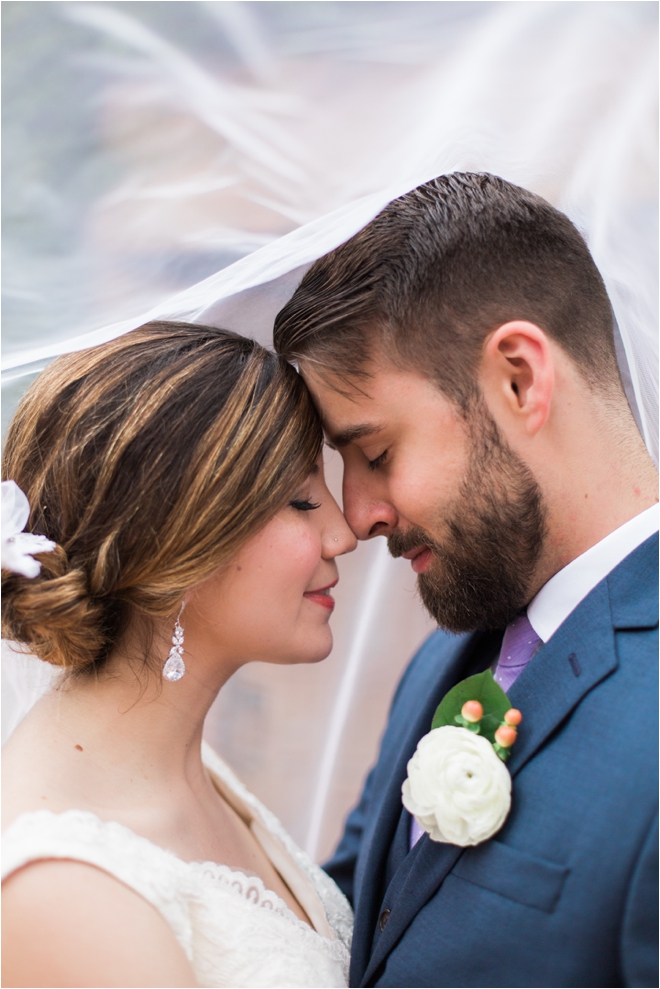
<point>492,535</point>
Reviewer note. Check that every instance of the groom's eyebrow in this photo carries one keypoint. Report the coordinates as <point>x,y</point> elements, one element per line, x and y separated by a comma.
<point>353,433</point>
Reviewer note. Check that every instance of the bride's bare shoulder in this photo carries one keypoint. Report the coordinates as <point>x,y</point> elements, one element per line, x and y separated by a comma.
<point>36,770</point>
<point>92,931</point>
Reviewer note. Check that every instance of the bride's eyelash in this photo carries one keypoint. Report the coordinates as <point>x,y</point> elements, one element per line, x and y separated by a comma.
<point>305,505</point>
<point>374,464</point>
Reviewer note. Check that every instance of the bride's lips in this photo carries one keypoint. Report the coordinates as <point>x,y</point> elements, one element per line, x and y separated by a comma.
<point>322,596</point>
<point>420,557</point>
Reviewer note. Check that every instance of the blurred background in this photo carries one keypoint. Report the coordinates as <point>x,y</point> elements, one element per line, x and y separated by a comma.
<point>149,145</point>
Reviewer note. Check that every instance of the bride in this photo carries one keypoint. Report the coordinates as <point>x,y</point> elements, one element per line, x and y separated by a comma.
<point>177,473</point>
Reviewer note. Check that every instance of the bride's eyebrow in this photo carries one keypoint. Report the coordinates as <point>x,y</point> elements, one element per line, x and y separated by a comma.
<point>353,433</point>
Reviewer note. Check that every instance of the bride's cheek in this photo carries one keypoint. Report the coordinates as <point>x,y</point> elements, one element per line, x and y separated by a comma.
<point>304,556</point>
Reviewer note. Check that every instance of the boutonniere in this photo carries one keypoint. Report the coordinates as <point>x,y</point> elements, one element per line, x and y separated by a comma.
<point>458,788</point>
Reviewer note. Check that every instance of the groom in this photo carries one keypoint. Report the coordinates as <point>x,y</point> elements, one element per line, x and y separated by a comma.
<point>460,350</point>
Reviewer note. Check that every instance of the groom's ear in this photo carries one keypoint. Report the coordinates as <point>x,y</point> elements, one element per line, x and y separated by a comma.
<point>518,376</point>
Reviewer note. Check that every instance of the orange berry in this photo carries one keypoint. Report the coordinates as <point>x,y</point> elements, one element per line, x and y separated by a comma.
<point>472,711</point>
<point>505,736</point>
<point>513,716</point>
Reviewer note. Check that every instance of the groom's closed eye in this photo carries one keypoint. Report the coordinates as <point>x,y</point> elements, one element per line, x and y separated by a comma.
<point>377,461</point>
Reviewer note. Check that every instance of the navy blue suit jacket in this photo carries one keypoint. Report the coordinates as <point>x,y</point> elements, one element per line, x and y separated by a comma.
<point>566,893</point>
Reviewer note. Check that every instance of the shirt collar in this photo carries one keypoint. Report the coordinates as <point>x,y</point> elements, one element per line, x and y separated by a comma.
<point>563,592</point>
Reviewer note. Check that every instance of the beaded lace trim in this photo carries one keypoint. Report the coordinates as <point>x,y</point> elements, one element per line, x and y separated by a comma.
<point>251,888</point>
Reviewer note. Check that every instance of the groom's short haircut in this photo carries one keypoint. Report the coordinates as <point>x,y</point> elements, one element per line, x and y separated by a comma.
<point>423,284</point>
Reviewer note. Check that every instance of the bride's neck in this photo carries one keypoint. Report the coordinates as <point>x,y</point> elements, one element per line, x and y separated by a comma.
<point>137,719</point>
<point>121,742</point>
<point>126,727</point>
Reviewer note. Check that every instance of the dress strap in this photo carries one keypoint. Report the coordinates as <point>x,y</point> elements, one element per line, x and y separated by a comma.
<point>80,836</point>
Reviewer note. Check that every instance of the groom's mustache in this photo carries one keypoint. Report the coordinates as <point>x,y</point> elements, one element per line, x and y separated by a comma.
<point>399,543</point>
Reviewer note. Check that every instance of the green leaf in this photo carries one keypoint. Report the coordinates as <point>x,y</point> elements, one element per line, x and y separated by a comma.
<point>490,723</point>
<point>480,688</point>
<point>502,752</point>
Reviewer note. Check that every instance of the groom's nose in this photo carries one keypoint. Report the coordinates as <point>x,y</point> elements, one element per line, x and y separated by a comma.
<point>366,511</point>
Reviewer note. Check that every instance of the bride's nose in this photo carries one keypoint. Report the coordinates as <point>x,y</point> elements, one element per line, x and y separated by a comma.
<point>338,537</point>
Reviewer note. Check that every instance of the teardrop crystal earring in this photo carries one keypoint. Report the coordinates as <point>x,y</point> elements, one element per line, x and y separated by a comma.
<point>174,666</point>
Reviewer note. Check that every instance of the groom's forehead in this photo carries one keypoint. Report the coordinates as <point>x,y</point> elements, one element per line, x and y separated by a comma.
<point>364,403</point>
<point>390,401</point>
<point>349,411</point>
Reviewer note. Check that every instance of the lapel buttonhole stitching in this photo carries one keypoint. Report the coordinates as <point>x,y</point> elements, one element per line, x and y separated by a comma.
<point>575,666</point>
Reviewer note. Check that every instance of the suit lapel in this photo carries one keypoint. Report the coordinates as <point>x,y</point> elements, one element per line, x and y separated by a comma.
<point>387,810</point>
<point>582,652</point>
<point>579,655</point>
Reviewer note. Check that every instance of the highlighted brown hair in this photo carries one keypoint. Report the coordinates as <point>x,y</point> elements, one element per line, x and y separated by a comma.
<point>149,460</point>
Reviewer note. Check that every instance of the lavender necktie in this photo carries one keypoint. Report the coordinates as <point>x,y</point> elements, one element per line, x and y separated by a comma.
<point>519,645</point>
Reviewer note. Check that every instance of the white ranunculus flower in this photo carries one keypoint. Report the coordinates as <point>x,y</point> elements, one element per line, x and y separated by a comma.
<point>18,547</point>
<point>458,788</point>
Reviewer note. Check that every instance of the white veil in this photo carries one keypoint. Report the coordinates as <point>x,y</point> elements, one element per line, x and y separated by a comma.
<point>270,133</point>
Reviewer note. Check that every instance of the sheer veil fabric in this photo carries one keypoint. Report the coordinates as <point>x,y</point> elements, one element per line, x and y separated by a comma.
<point>264,135</point>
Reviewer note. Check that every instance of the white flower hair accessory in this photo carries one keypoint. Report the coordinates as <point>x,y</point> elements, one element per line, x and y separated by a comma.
<point>458,788</point>
<point>18,547</point>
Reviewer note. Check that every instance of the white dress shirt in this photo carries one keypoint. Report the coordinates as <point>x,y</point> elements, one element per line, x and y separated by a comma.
<point>563,592</point>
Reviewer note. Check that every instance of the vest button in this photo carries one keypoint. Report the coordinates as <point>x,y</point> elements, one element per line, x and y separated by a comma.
<point>383,919</point>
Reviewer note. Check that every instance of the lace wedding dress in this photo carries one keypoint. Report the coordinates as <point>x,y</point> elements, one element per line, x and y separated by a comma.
<point>234,931</point>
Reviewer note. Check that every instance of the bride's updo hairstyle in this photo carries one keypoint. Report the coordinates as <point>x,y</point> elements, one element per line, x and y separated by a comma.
<point>150,461</point>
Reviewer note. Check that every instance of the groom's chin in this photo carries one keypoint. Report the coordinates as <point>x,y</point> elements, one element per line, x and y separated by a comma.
<point>459,609</point>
